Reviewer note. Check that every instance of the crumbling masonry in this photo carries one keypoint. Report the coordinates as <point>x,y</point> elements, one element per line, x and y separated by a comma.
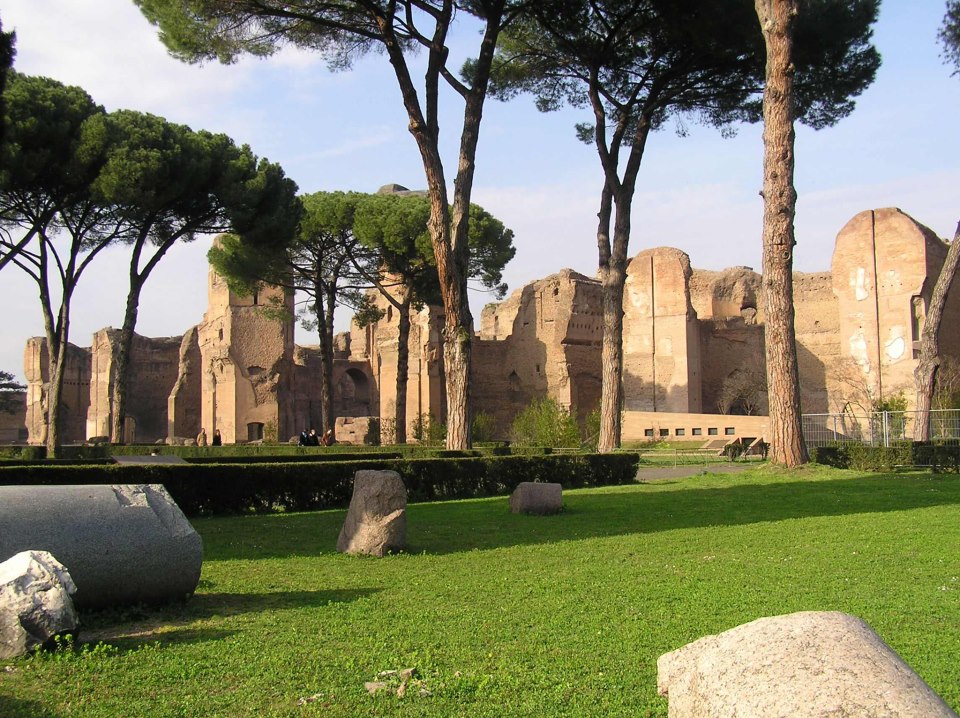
<point>692,345</point>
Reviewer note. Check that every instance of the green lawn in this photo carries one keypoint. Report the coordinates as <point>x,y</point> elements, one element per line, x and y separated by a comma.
<point>507,615</point>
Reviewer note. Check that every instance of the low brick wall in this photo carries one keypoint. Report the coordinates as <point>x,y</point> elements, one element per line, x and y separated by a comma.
<point>652,425</point>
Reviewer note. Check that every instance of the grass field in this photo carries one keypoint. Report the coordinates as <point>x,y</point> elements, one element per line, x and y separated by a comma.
<point>505,615</point>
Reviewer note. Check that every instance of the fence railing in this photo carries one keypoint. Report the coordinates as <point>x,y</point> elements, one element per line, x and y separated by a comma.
<point>878,428</point>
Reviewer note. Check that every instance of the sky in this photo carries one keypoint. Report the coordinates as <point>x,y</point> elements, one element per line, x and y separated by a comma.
<point>347,130</point>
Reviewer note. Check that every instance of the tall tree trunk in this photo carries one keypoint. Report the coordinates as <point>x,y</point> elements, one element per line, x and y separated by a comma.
<point>138,277</point>
<point>450,244</point>
<point>324,312</point>
<point>56,365</point>
<point>403,372</point>
<point>611,395</point>
<point>121,365</point>
<point>786,436</point>
<point>616,201</point>
<point>929,364</point>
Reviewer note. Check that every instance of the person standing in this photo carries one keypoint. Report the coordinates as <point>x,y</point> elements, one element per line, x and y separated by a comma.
<point>202,437</point>
<point>217,439</point>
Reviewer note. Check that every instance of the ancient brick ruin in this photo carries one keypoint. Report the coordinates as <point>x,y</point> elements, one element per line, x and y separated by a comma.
<point>693,345</point>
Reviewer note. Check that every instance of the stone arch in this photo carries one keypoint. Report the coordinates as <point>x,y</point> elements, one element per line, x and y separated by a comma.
<point>353,392</point>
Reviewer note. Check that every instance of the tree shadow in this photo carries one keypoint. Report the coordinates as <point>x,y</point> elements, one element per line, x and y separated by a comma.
<point>600,513</point>
<point>455,526</point>
<point>131,627</point>
<point>17,708</point>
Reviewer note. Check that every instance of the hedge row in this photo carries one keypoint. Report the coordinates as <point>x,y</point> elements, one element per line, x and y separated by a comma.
<point>939,457</point>
<point>239,453</point>
<point>293,458</point>
<point>246,451</point>
<point>224,488</point>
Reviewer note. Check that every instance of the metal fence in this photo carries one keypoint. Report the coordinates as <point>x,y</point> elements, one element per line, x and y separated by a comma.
<point>879,428</point>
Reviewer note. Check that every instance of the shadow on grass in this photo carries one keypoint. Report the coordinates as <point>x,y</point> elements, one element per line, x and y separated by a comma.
<point>130,628</point>
<point>15,708</point>
<point>454,526</point>
<point>208,605</point>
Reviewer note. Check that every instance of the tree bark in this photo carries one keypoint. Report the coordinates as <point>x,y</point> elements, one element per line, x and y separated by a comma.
<point>121,368</point>
<point>449,239</point>
<point>929,363</point>
<point>403,371</point>
<point>325,296</point>
<point>787,446</point>
<point>611,373</point>
<point>56,363</point>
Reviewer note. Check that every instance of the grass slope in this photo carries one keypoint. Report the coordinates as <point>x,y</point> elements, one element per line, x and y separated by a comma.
<point>507,615</point>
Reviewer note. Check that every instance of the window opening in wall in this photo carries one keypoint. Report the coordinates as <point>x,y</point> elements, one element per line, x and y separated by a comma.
<point>916,317</point>
<point>538,368</point>
<point>664,432</point>
<point>254,431</point>
<point>648,432</point>
<point>729,431</point>
<point>697,431</point>
<point>680,432</point>
<point>220,333</point>
<point>711,431</point>
<point>256,298</point>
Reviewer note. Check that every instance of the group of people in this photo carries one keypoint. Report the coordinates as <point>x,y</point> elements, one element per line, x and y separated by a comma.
<point>306,438</point>
<point>311,439</point>
<point>217,440</point>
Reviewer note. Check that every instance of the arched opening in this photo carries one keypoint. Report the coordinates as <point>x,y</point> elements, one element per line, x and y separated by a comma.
<point>354,393</point>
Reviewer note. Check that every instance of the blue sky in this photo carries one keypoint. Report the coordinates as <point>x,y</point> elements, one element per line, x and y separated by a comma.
<point>347,131</point>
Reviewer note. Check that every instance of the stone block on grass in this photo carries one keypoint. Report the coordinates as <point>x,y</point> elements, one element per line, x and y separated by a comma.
<point>122,544</point>
<point>812,664</point>
<point>35,603</point>
<point>376,522</point>
<point>531,497</point>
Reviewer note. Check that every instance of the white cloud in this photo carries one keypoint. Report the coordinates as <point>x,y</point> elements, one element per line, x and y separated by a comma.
<point>109,49</point>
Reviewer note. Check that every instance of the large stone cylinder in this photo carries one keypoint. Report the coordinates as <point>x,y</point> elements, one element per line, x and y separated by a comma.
<point>121,544</point>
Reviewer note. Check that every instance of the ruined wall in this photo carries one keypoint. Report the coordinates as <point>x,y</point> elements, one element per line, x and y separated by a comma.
<point>884,267</point>
<point>544,340</point>
<point>661,341</point>
<point>13,423</point>
<point>153,371</point>
<point>731,336</point>
<point>686,332</point>
<point>817,323</point>
<point>75,396</point>
<point>354,388</point>
<point>726,294</point>
<point>368,384</point>
<point>184,401</point>
<point>247,364</point>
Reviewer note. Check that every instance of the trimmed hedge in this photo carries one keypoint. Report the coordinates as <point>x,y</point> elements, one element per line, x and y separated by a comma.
<point>307,458</point>
<point>238,453</point>
<point>224,488</point>
<point>938,457</point>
